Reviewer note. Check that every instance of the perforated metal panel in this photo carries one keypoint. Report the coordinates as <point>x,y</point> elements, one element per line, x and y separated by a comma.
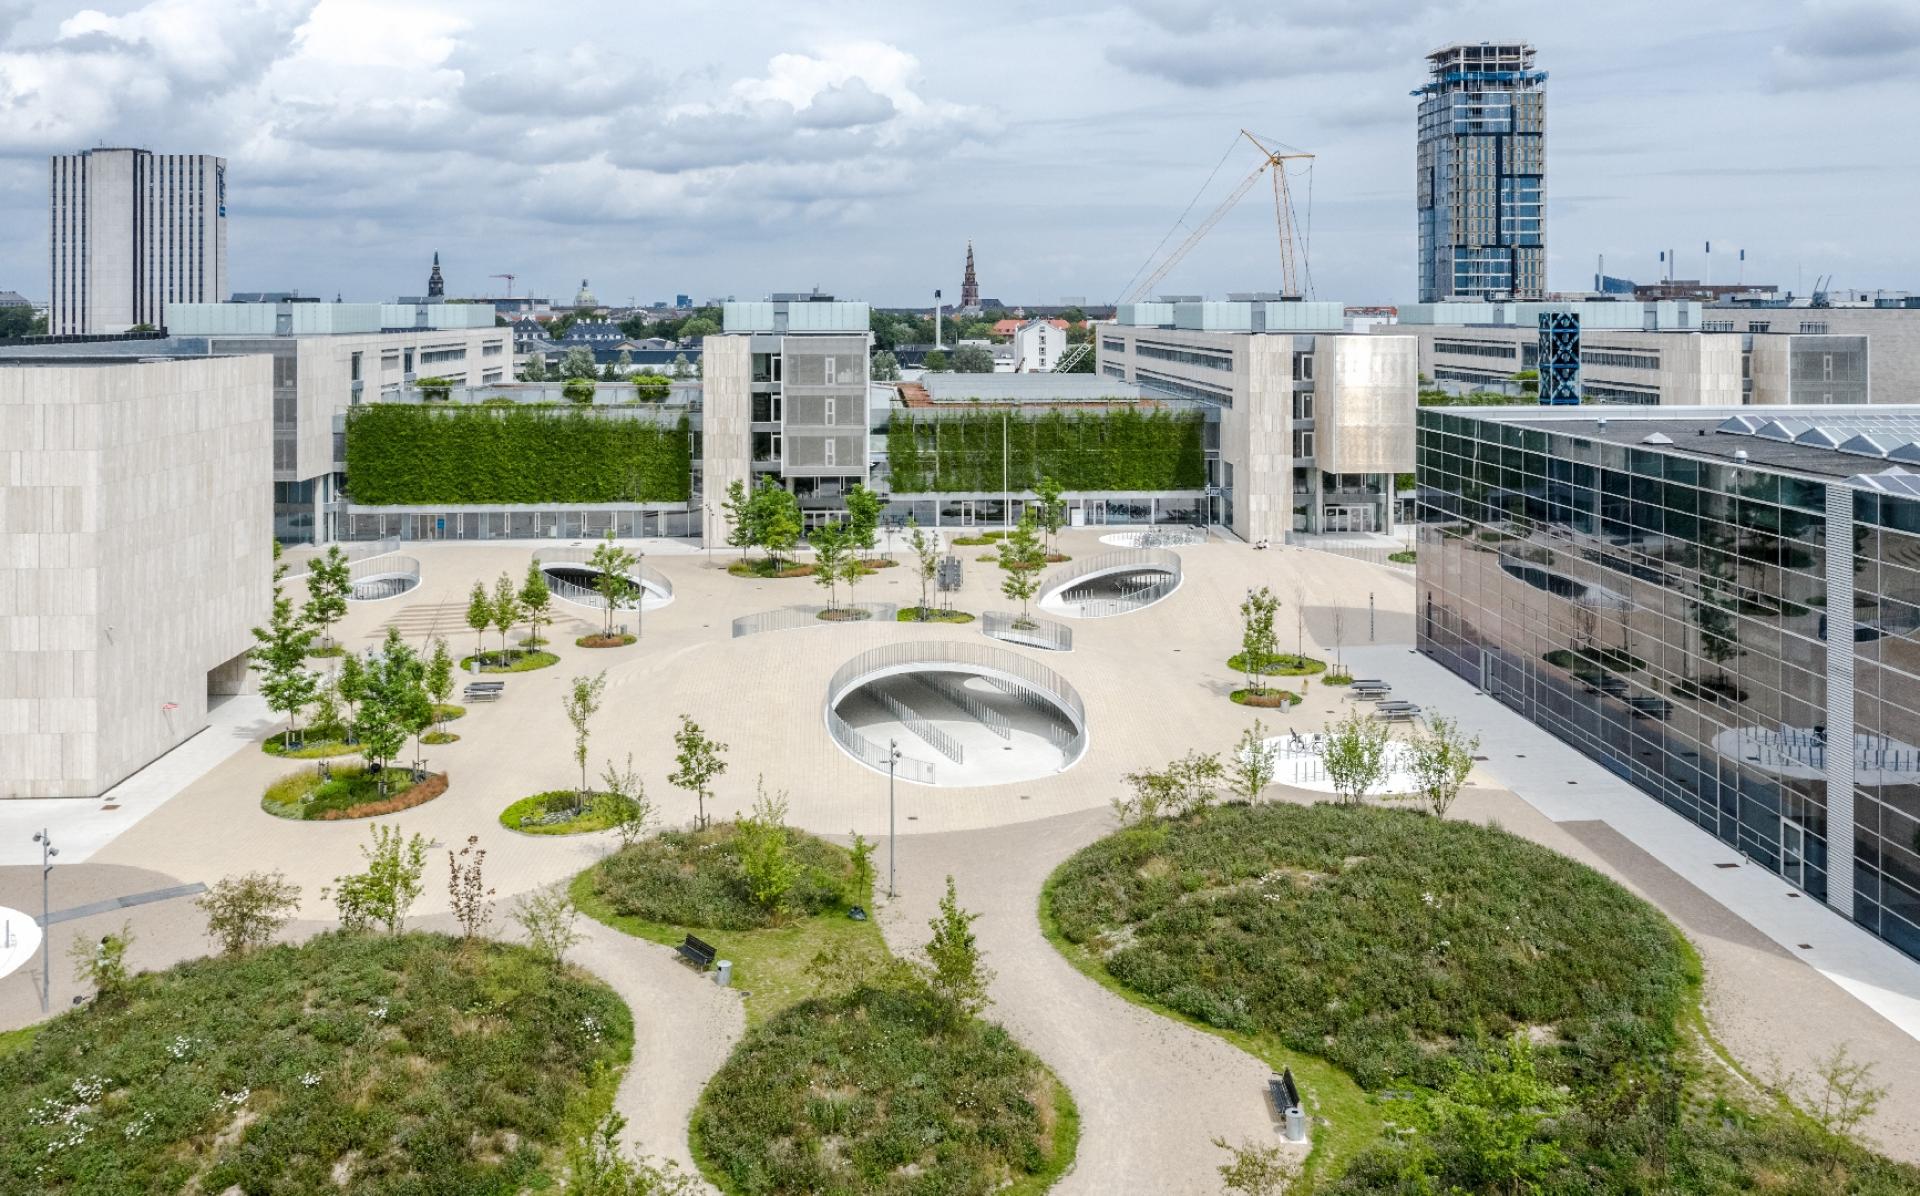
<point>824,406</point>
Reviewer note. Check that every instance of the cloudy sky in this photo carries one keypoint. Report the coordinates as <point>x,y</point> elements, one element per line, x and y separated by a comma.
<point>738,148</point>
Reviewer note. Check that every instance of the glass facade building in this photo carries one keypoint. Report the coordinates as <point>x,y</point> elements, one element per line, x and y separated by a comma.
<point>1720,606</point>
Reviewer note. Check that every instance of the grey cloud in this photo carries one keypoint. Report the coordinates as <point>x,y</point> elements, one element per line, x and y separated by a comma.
<point>1847,42</point>
<point>845,106</point>
<point>582,81</point>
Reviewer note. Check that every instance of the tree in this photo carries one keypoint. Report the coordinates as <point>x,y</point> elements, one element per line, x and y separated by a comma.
<point>775,519</point>
<point>467,893</point>
<point>479,616</point>
<point>682,368</point>
<point>383,893</point>
<point>612,579</point>
<point>926,553</point>
<point>506,611</point>
<point>738,510</point>
<point>829,560</point>
<point>698,328</point>
<point>439,679</point>
<point>434,390</point>
<point>861,879</point>
<point>1257,648</point>
<point>329,581</point>
<point>577,363</point>
<point>1337,615</point>
<point>623,364</point>
<point>766,852</point>
<point>394,704</point>
<point>863,518</point>
<point>547,915</point>
<point>936,361</point>
<point>956,972</point>
<point>1847,1094</point>
<point>536,603</point>
<point>626,796</point>
<point>350,681</point>
<point>279,656</point>
<point>886,367</point>
<point>652,388</point>
<point>102,964</point>
<point>1441,759</point>
<point>1183,787</point>
<point>536,370</point>
<point>697,761</point>
<point>1256,1169</point>
<point>1052,509</point>
<point>1356,756</point>
<point>582,702</point>
<point>244,912</point>
<point>1022,558</point>
<point>1254,763</point>
<point>973,359</point>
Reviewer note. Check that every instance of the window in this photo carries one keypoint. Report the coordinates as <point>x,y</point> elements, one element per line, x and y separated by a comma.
<point>1211,359</point>
<point>356,367</point>
<point>831,446</point>
<point>1302,442</point>
<point>827,416</point>
<point>1303,405</point>
<point>1826,368</point>
<point>409,357</point>
<point>830,363</point>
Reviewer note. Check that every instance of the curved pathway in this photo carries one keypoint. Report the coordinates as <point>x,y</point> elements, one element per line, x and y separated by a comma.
<point>1153,1093</point>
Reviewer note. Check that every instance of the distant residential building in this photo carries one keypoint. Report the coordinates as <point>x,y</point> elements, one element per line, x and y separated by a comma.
<point>132,231</point>
<point>1038,346</point>
<point>14,299</point>
<point>1482,173</point>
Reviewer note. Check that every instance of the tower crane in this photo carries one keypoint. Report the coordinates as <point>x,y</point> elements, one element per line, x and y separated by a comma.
<point>1292,260</point>
<point>509,278</point>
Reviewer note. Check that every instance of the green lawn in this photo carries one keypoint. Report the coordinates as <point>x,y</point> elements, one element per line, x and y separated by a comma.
<point>593,815</point>
<point>351,792</point>
<point>911,614</point>
<point>312,743</point>
<point>517,662</point>
<point>1279,664</point>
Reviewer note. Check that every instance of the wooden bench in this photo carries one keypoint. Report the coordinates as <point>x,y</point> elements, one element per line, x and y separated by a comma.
<point>697,953</point>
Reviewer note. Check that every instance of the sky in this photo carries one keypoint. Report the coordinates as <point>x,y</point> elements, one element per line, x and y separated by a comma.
<point>741,148</point>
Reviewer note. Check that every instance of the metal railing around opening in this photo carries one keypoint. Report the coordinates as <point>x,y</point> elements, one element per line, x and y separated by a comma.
<point>1372,554</point>
<point>790,618</point>
<point>907,768</point>
<point>912,720</point>
<point>1030,630</point>
<point>1166,537</point>
<point>954,693</point>
<point>376,577</point>
<point>1127,564</point>
<point>654,581</point>
<point>299,560</point>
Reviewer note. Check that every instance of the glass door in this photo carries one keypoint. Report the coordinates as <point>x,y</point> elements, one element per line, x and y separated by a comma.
<point>1097,511</point>
<point>1793,852</point>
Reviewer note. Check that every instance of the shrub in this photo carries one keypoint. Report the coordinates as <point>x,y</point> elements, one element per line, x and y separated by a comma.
<point>1278,664</point>
<point>560,812</point>
<point>245,912</point>
<point>345,791</point>
<point>698,878</point>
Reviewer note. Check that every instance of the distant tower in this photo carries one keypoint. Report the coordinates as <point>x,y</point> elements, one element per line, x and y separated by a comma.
<point>969,286</point>
<point>1482,173</point>
<point>436,285</point>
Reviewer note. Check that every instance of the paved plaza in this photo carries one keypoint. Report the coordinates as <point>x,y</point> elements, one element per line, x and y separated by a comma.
<point>1155,685</point>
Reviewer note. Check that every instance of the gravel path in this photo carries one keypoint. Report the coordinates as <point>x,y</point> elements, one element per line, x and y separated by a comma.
<point>1153,1093</point>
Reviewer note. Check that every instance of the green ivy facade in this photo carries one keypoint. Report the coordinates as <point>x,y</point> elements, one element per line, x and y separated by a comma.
<point>411,455</point>
<point>1126,450</point>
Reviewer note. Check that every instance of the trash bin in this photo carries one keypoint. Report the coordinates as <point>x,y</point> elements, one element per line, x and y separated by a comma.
<point>1296,1124</point>
<point>723,976</point>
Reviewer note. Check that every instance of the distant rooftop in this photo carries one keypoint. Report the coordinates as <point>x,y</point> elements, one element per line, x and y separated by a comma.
<point>1028,388</point>
<point>1238,314</point>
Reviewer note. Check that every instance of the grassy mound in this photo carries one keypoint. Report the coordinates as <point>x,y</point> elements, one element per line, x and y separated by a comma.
<point>351,792</point>
<point>517,661</point>
<point>911,614</point>
<point>767,567</point>
<point>1278,664</point>
<point>871,1092</point>
<point>695,879</point>
<point>372,1064</point>
<point>552,813</point>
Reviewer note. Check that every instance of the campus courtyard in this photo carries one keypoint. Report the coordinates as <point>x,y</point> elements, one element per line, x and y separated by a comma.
<point>1018,790</point>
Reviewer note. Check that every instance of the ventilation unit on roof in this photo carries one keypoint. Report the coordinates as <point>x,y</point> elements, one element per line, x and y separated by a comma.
<point>1657,438</point>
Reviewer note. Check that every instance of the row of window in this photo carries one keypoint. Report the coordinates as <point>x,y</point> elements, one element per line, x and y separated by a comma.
<point>1212,359</point>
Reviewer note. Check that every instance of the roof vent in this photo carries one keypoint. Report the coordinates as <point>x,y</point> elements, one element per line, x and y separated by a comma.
<point>1657,438</point>
<point>1600,425</point>
<point>1740,455</point>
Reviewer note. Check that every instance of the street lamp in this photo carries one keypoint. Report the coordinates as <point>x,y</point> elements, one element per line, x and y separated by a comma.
<point>709,536</point>
<point>640,603</point>
<point>893,760</point>
<point>47,851</point>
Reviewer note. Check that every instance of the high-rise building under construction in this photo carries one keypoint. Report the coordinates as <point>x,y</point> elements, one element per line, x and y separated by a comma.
<point>1482,173</point>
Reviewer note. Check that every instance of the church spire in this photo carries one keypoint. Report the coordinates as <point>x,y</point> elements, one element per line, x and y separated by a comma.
<point>436,285</point>
<point>970,286</point>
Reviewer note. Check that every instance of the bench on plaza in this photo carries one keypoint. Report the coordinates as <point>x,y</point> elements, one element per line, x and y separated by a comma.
<point>698,953</point>
<point>1397,711</point>
<point>485,691</point>
<point>1369,690</point>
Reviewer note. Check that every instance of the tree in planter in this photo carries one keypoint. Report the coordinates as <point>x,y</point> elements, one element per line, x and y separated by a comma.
<point>434,390</point>
<point>579,390</point>
<point>1022,558</point>
<point>1255,763</point>
<point>394,704</point>
<point>1257,648</point>
<point>697,761</point>
<point>830,559</point>
<point>956,972</point>
<point>1052,509</point>
<point>350,681</point>
<point>776,520</point>
<point>439,679</point>
<point>536,603</point>
<point>612,580</point>
<point>863,519</point>
<point>383,893</point>
<point>506,612</point>
<point>1440,760</point>
<point>926,555</point>
<point>279,656</point>
<point>582,702</point>
<point>738,510</point>
<point>1355,756</point>
<point>329,581</point>
<point>479,617</point>
<point>652,388</point>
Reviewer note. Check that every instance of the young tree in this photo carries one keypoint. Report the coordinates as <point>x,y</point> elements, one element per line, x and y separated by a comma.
<point>1021,559</point>
<point>506,612</point>
<point>1257,648</point>
<point>926,554</point>
<point>439,679</point>
<point>1254,763</point>
<point>326,715</point>
<point>886,367</point>
<point>1052,509</point>
<point>829,560</point>
<point>536,370</point>
<point>652,388</point>
<point>863,518</point>
<point>582,702</point>
<point>862,878</point>
<point>1847,1094</point>
<point>329,581</point>
<point>547,915</point>
<point>1440,760</point>
<point>613,579</point>
<point>1257,1169</point>
<point>936,361</point>
<point>383,893</point>
<point>956,971</point>
<point>598,1167</point>
<point>766,851</point>
<point>394,704</point>
<point>1488,1123</point>
<point>738,510</point>
<point>479,616</point>
<point>776,518</point>
<point>1184,786</point>
<point>279,655</point>
<point>244,912</point>
<point>623,364</point>
<point>102,964</point>
<point>579,390</point>
<point>536,603</point>
<point>1299,619</point>
<point>626,795</point>
<point>1356,756</point>
<point>697,761</point>
<point>350,682</point>
<point>467,892</point>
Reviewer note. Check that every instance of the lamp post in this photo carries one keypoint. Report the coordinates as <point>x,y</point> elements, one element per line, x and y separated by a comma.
<point>640,602</point>
<point>47,851</point>
<point>709,535</point>
<point>893,760</point>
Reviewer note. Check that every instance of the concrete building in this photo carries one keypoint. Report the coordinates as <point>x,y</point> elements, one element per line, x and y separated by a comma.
<point>1315,423</point>
<point>135,555</point>
<point>1653,354</point>
<point>1482,173</point>
<point>131,232</point>
<point>1892,333</point>
<point>1718,604</point>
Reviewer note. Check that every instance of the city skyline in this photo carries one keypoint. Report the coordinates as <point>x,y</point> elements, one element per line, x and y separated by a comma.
<point>859,149</point>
